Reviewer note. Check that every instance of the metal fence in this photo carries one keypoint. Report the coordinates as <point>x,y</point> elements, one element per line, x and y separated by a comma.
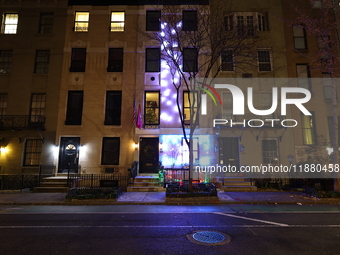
<point>99,181</point>
<point>18,181</point>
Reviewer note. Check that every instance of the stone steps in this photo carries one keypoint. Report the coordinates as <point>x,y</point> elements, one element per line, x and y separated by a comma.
<point>146,183</point>
<point>52,185</point>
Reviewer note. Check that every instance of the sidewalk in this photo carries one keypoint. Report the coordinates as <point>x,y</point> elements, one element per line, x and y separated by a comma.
<point>158,198</point>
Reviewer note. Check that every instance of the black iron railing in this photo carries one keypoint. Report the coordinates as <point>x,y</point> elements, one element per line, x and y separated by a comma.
<point>18,182</point>
<point>98,181</point>
<point>22,122</point>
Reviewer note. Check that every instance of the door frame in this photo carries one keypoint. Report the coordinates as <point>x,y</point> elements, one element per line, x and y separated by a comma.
<point>156,161</point>
<point>62,164</point>
<point>222,151</point>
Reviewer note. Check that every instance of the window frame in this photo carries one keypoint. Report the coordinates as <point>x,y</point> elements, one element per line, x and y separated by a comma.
<point>189,57</point>
<point>115,60</point>
<point>42,62</point>
<point>37,107</point>
<point>3,103</point>
<point>186,106</point>
<point>189,20</point>
<point>107,158</point>
<point>5,25</point>
<point>149,106</point>
<point>327,88</point>
<point>152,24</point>
<point>32,152</point>
<point>300,79</point>
<point>46,22</point>
<point>115,22</point>
<point>78,60</point>
<point>268,156</point>
<point>74,113</point>
<point>6,61</point>
<point>113,112</point>
<point>152,57</point>
<point>227,63</point>
<point>297,36</point>
<point>308,129</point>
<point>264,63</point>
<point>81,25</point>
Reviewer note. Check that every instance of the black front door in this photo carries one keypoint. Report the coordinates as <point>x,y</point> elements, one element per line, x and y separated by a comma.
<point>148,155</point>
<point>69,154</point>
<point>228,151</point>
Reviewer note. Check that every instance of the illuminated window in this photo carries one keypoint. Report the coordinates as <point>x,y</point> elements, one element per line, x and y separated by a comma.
<point>115,60</point>
<point>270,154</point>
<point>42,59</point>
<point>153,20</point>
<point>152,59</point>
<point>117,21</point>
<point>74,109</point>
<point>81,23</point>
<point>189,104</point>
<point>227,60</point>
<point>185,151</point>
<point>303,75</point>
<point>264,60</point>
<point>32,154</point>
<point>46,23</point>
<point>189,20</point>
<point>308,129</point>
<point>110,151</point>
<point>5,61</point>
<point>38,104</point>
<point>190,56</point>
<point>113,108</point>
<point>78,60</point>
<point>299,36</point>
<point>151,108</point>
<point>9,23</point>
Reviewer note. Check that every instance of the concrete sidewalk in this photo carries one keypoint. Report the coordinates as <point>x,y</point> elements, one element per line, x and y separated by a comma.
<point>268,197</point>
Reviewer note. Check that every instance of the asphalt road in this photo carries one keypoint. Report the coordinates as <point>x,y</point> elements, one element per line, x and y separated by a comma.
<point>254,229</point>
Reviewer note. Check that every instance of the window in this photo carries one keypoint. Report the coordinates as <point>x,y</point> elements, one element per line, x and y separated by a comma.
<point>327,85</point>
<point>270,154</point>
<point>189,103</point>
<point>78,60</point>
<point>190,60</point>
<point>42,59</point>
<point>151,108</point>
<point>110,151</point>
<point>246,23</point>
<point>308,129</point>
<point>227,107</point>
<point>3,104</point>
<point>153,20</point>
<point>115,60</point>
<point>38,104</point>
<point>227,60</point>
<point>330,129</point>
<point>324,46</point>
<point>113,108</point>
<point>81,23</point>
<point>9,23</point>
<point>185,150</point>
<point>299,36</point>
<point>264,60</point>
<point>117,21</point>
<point>74,109</point>
<point>152,60</point>
<point>189,20</point>
<point>303,75</point>
<point>32,154</point>
<point>229,22</point>
<point>46,23</point>
<point>5,61</point>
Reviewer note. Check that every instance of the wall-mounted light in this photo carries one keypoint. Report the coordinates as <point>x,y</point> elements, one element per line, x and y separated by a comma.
<point>3,149</point>
<point>136,146</point>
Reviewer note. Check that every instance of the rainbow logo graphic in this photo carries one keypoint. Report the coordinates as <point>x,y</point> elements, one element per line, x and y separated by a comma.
<point>204,97</point>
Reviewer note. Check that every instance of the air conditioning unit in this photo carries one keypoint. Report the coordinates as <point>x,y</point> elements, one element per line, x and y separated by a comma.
<point>152,79</point>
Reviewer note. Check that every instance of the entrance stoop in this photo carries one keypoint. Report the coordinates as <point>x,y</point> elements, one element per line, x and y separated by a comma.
<point>146,183</point>
<point>56,184</point>
<point>237,184</point>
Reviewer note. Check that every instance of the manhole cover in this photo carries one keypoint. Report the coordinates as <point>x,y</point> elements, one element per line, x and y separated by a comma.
<point>205,237</point>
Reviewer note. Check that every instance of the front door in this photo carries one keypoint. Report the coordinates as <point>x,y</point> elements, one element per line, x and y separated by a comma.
<point>228,151</point>
<point>148,155</point>
<point>69,154</point>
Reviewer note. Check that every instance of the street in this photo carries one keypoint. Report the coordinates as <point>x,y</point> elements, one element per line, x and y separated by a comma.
<point>152,229</point>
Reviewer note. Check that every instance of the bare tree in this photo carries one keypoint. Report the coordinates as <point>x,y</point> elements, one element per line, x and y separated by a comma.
<point>321,23</point>
<point>193,39</point>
